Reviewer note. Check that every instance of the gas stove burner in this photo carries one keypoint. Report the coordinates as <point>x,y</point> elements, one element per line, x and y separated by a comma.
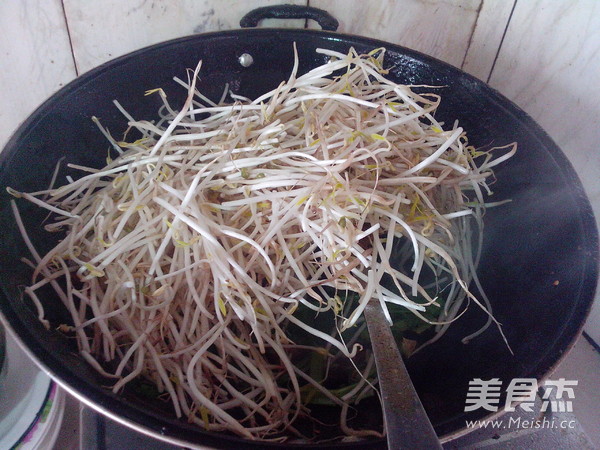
<point>31,404</point>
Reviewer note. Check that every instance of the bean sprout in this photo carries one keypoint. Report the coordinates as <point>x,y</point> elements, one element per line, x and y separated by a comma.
<point>195,256</point>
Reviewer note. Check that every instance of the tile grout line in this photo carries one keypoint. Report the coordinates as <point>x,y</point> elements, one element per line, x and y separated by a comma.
<point>462,64</point>
<point>64,11</point>
<point>306,20</point>
<point>592,342</point>
<point>489,77</point>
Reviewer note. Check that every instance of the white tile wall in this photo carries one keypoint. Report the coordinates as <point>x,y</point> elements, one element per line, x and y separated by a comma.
<point>439,28</point>
<point>103,30</point>
<point>35,58</point>
<point>486,40</point>
<point>544,55</point>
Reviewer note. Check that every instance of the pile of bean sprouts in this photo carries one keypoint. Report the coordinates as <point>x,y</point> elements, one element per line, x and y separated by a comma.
<point>187,257</point>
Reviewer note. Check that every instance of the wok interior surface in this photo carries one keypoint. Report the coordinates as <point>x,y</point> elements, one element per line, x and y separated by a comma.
<point>539,262</point>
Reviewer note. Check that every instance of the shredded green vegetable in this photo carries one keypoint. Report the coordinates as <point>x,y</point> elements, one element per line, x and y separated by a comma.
<point>226,254</point>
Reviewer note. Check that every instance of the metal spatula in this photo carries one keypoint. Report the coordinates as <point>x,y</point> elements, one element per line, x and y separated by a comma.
<point>407,424</point>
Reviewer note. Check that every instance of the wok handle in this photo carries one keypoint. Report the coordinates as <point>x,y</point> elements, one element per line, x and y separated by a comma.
<point>322,17</point>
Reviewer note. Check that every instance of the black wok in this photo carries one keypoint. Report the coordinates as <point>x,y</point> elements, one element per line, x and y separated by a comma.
<point>540,255</point>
